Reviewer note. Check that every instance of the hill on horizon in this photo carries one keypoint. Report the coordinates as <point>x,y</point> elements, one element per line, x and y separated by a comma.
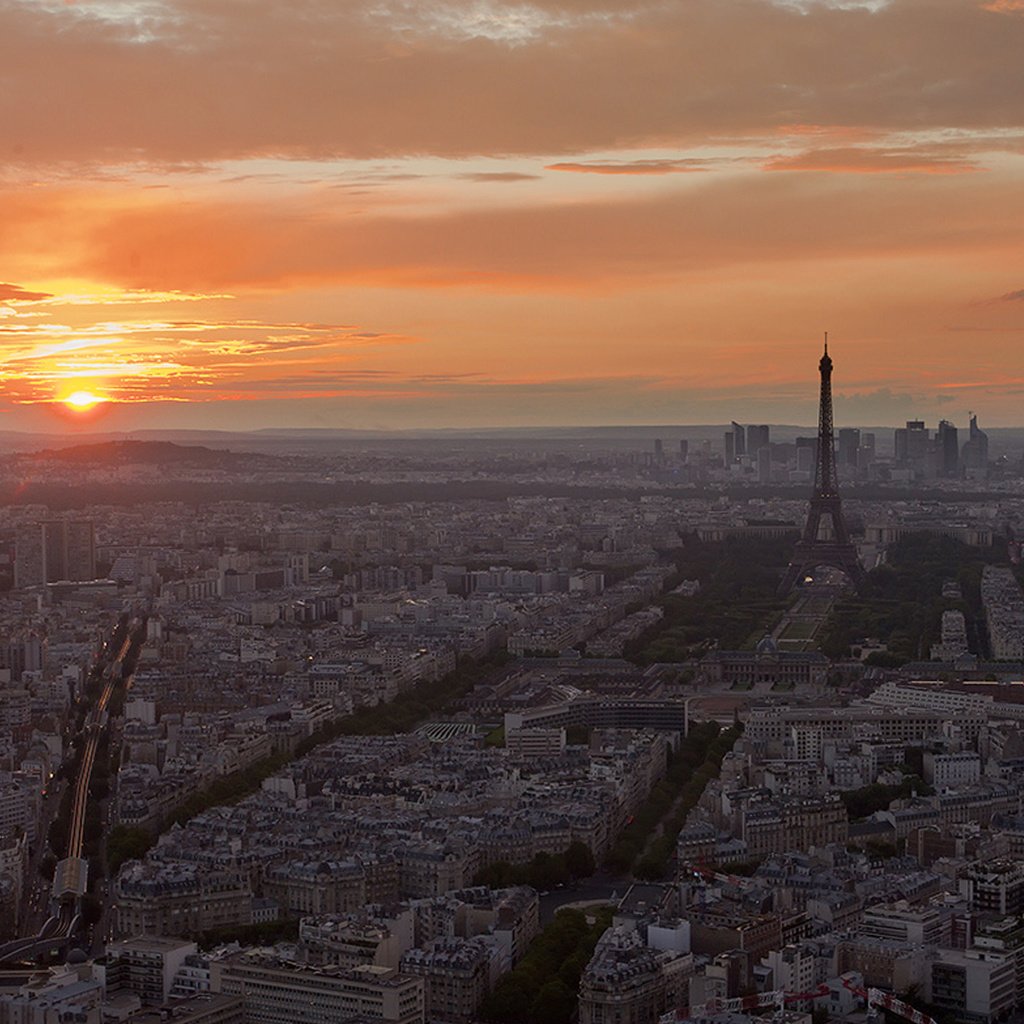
<point>158,453</point>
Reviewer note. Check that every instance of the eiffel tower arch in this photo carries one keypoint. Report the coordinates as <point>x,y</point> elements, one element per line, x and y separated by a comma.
<point>820,544</point>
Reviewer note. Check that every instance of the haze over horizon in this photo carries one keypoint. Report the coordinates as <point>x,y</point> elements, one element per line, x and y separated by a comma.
<point>391,215</point>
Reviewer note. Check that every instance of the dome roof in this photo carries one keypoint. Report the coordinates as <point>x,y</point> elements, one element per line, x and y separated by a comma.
<point>767,645</point>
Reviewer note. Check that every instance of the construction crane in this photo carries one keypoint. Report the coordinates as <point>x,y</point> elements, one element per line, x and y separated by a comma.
<point>875,998</point>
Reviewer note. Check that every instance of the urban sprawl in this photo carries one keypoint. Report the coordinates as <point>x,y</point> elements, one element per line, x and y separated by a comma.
<point>525,732</point>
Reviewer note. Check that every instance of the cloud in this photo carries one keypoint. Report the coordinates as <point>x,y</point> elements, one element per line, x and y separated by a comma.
<point>214,79</point>
<point>887,405</point>
<point>1000,383</point>
<point>137,360</point>
<point>214,246</point>
<point>484,176</point>
<point>862,160</point>
<point>169,191</point>
<point>632,167</point>
<point>1005,6</point>
<point>122,297</point>
<point>1016,296</point>
<point>15,293</point>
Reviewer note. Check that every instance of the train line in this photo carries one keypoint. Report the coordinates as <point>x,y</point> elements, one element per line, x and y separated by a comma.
<point>70,878</point>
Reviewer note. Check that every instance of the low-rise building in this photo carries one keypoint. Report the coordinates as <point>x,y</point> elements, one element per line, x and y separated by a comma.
<point>179,899</point>
<point>458,974</point>
<point>279,991</point>
<point>146,965</point>
<point>627,982</point>
<point>974,986</point>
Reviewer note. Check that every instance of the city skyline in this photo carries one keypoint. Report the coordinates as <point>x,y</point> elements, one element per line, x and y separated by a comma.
<point>386,215</point>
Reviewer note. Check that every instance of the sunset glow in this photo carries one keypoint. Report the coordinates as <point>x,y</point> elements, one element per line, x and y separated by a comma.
<point>82,400</point>
<point>448,214</point>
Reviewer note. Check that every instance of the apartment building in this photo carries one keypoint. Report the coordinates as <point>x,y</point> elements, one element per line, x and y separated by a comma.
<point>279,991</point>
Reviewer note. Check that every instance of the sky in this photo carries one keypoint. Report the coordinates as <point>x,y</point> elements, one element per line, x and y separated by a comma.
<point>239,214</point>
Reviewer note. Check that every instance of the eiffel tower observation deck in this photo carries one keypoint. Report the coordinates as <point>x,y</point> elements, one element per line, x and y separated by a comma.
<point>825,540</point>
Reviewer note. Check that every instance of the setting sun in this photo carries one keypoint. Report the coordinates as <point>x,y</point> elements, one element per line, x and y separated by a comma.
<point>82,400</point>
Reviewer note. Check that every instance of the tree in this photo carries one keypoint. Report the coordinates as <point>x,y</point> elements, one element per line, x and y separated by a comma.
<point>554,1004</point>
<point>579,859</point>
<point>92,909</point>
<point>126,843</point>
<point>510,1001</point>
<point>541,988</point>
<point>650,869</point>
<point>47,864</point>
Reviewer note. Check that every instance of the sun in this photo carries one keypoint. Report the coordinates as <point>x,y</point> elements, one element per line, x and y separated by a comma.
<point>82,400</point>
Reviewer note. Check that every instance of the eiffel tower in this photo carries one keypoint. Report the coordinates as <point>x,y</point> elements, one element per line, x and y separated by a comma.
<point>833,549</point>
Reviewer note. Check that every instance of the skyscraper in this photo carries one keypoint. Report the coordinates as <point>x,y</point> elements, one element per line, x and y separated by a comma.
<point>758,437</point>
<point>849,442</point>
<point>730,448</point>
<point>974,454</point>
<point>28,557</point>
<point>81,550</point>
<point>55,550</point>
<point>740,439</point>
<point>948,449</point>
<point>911,442</point>
<point>866,453</point>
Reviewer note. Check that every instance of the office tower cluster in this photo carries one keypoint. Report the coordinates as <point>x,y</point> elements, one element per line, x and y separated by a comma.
<point>53,551</point>
<point>743,441</point>
<point>920,454</point>
<point>749,454</point>
<point>750,447</point>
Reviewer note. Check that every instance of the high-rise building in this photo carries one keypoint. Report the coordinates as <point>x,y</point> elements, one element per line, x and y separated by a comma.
<point>806,453</point>
<point>764,464</point>
<point>948,449</point>
<point>911,442</point>
<point>866,453</point>
<point>69,551</point>
<point>848,443</point>
<point>28,557</point>
<point>740,439</point>
<point>974,454</point>
<point>730,448</point>
<point>80,561</point>
<point>55,550</point>
<point>659,451</point>
<point>758,437</point>
<point>684,449</point>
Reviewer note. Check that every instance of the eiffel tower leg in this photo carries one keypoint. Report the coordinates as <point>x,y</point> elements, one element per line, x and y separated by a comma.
<point>854,571</point>
<point>808,556</point>
<point>789,578</point>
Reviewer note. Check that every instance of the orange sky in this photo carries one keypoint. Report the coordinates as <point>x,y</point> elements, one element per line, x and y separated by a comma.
<point>398,213</point>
